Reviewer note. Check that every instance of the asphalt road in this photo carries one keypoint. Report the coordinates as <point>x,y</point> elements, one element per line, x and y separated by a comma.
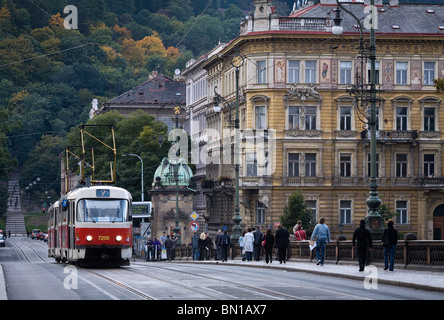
<point>30,275</point>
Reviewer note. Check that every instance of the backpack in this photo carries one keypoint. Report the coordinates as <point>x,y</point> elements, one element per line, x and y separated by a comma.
<point>225,240</point>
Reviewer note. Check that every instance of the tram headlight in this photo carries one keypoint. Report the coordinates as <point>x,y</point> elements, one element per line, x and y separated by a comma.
<point>119,238</point>
<point>89,237</point>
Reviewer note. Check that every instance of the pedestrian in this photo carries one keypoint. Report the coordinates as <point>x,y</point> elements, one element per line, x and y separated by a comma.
<point>217,243</point>
<point>163,238</point>
<point>248,244</point>
<point>364,239</point>
<point>208,246</point>
<point>195,246</point>
<point>168,246</point>
<point>149,250</point>
<point>258,238</point>
<point>299,233</point>
<point>156,249</point>
<point>321,234</point>
<point>225,243</point>
<point>282,240</point>
<point>173,249</point>
<point>202,246</point>
<point>389,242</point>
<point>241,245</point>
<point>268,246</point>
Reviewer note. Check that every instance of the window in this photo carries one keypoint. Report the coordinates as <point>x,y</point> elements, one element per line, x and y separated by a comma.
<point>429,73</point>
<point>401,165</point>
<point>345,71</point>
<point>293,71</point>
<point>260,213</point>
<point>345,165</point>
<point>310,118</point>
<point>94,210</point>
<point>369,165</point>
<point>429,119</point>
<point>310,164</point>
<point>311,205</point>
<point>345,211</point>
<point>401,118</point>
<point>294,118</point>
<point>345,118</point>
<point>293,164</point>
<point>310,71</point>
<point>260,117</point>
<point>261,71</point>
<point>401,212</point>
<point>251,164</point>
<point>369,66</point>
<point>429,165</point>
<point>401,72</point>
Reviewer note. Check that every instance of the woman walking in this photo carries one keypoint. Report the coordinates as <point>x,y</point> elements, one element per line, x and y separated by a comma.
<point>389,241</point>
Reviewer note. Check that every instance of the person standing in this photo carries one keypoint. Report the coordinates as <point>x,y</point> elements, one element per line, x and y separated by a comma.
<point>269,245</point>
<point>258,238</point>
<point>282,240</point>
<point>390,237</point>
<point>209,246</point>
<point>217,243</point>
<point>248,244</point>
<point>195,246</point>
<point>299,233</point>
<point>202,244</point>
<point>168,246</point>
<point>241,245</point>
<point>321,234</point>
<point>225,242</point>
<point>364,239</point>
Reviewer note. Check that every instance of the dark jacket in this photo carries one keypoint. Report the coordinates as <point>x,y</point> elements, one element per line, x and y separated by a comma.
<point>392,234</point>
<point>269,241</point>
<point>363,236</point>
<point>282,238</point>
<point>168,243</point>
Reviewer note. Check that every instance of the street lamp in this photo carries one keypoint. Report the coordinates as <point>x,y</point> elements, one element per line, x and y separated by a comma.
<point>237,61</point>
<point>141,173</point>
<point>373,219</point>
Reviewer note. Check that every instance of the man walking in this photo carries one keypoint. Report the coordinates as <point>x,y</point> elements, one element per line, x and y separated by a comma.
<point>364,238</point>
<point>282,239</point>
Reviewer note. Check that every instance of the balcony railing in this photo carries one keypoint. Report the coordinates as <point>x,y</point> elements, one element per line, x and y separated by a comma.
<point>392,135</point>
<point>305,24</point>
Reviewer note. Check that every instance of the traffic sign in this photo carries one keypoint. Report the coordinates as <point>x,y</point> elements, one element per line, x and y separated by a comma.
<point>194,226</point>
<point>194,215</point>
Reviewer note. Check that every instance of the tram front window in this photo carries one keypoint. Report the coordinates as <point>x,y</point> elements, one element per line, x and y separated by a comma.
<point>102,210</point>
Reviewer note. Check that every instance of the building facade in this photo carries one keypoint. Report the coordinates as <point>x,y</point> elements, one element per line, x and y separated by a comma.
<point>314,135</point>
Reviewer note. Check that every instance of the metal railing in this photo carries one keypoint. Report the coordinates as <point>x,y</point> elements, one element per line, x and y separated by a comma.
<point>412,252</point>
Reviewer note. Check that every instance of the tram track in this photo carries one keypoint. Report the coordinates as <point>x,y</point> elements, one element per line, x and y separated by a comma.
<point>26,255</point>
<point>266,293</point>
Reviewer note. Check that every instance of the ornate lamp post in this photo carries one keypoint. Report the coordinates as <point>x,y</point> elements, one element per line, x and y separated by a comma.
<point>236,61</point>
<point>361,92</point>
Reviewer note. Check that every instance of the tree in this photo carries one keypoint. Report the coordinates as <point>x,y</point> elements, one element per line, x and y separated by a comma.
<point>295,210</point>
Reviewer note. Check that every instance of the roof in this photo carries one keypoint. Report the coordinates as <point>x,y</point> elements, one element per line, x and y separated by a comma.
<point>160,89</point>
<point>402,19</point>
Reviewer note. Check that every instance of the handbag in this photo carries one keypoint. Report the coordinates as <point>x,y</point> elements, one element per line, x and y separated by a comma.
<point>263,243</point>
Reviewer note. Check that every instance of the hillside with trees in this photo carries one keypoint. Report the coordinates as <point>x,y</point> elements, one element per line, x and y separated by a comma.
<point>49,74</point>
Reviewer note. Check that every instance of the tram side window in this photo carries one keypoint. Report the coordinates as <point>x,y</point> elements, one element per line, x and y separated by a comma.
<point>102,210</point>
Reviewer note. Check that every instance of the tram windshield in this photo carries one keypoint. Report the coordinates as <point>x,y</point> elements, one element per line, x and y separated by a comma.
<point>94,210</point>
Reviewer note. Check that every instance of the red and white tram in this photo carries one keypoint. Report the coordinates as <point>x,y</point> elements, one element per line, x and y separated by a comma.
<point>91,224</point>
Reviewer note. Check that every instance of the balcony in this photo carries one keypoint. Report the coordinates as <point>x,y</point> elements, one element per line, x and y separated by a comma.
<point>305,24</point>
<point>391,135</point>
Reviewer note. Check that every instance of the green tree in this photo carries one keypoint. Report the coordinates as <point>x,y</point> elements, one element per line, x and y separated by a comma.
<point>295,210</point>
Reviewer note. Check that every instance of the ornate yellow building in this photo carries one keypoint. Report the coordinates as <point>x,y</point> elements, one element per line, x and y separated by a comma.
<point>294,99</point>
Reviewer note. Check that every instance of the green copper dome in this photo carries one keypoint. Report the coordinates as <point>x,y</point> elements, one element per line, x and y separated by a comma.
<point>167,172</point>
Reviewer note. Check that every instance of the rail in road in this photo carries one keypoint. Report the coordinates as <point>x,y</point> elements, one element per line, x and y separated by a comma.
<point>178,281</point>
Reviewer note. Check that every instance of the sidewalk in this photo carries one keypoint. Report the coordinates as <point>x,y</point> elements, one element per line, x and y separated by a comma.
<point>415,279</point>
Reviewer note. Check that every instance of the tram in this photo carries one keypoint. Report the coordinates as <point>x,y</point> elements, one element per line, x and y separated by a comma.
<point>91,225</point>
